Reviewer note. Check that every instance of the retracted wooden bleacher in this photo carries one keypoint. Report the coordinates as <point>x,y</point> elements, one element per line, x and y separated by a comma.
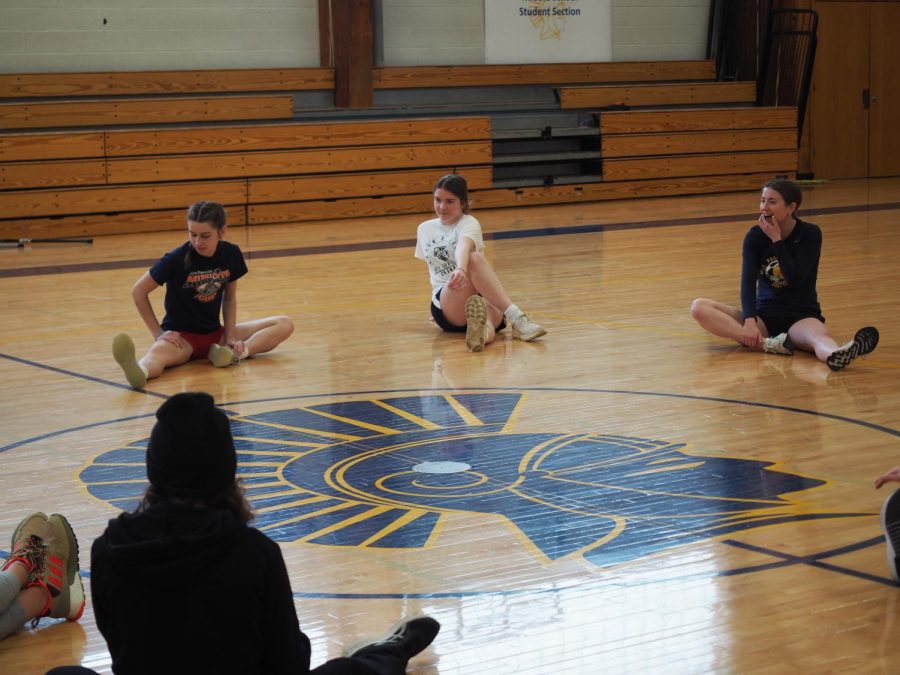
<point>197,135</point>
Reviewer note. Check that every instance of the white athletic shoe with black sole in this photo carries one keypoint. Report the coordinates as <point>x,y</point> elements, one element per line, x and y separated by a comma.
<point>864,342</point>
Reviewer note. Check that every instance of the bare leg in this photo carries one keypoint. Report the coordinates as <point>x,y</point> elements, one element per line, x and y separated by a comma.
<point>263,335</point>
<point>813,336</point>
<point>486,282</point>
<point>163,354</point>
<point>453,305</point>
<point>722,320</point>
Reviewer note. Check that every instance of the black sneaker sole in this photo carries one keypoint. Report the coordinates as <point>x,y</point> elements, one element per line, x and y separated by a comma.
<point>864,342</point>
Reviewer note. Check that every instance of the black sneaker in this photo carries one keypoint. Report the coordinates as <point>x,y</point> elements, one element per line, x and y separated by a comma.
<point>890,523</point>
<point>411,636</point>
<point>864,342</point>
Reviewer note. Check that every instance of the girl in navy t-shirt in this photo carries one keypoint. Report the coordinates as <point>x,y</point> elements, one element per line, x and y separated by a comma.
<point>200,277</point>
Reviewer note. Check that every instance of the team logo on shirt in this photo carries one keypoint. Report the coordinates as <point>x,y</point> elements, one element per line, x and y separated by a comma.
<point>388,471</point>
<point>439,253</point>
<point>772,271</point>
<point>207,283</point>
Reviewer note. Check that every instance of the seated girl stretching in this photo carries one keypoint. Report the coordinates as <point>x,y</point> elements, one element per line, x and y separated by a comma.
<point>201,280</point>
<point>466,296</point>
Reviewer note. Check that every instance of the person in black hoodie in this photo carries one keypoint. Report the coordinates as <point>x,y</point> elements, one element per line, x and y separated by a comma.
<point>779,307</point>
<point>184,585</point>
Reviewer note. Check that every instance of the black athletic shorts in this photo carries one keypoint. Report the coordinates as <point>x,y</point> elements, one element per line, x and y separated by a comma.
<point>438,315</point>
<point>777,324</point>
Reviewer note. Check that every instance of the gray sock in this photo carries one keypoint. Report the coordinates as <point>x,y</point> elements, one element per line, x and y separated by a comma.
<point>9,588</point>
<point>11,619</point>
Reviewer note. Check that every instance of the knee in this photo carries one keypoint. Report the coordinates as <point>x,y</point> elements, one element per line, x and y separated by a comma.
<point>699,308</point>
<point>477,260</point>
<point>286,325</point>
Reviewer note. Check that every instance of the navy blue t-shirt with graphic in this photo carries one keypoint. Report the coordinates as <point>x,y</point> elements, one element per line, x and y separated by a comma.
<point>195,285</point>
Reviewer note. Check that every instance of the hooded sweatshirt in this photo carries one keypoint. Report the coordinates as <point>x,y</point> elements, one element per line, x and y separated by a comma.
<point>178,589</point>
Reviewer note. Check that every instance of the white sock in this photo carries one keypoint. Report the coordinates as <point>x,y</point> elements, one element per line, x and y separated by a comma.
<point>512,313</point>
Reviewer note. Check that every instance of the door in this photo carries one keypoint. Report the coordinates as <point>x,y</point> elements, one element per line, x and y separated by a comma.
<point>854,99</point>
<point>884,111</point>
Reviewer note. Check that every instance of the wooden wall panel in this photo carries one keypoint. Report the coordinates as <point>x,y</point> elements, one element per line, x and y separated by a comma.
<point>143,111</point>
<point>21,175</point>
<point>295,135</point>
<point>699,165</point>
<point>132,83</point>
<point>342,186</point>
<point>50,145</point>
<point>702,119</point>
<point>93,225</point>
<point>658,94</point>
<point>114,199</point>
<point>403,77</point>
<point>644,145</point>
<point>332,160</point>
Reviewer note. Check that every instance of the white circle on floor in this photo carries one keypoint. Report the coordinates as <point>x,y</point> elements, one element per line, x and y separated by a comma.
<point>442,467</point>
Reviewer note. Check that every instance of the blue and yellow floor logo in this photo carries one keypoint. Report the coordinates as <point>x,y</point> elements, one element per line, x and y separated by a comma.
<point>383,472</point>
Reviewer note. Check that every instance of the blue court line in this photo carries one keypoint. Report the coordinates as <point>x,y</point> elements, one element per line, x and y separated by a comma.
<point>82,376</point>
<point>713,399</point>
<point>787,560</point>
<point>403,243</point>
<point>815,560</point>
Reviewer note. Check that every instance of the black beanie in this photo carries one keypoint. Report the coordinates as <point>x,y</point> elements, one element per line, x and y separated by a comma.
<point>191,451</point>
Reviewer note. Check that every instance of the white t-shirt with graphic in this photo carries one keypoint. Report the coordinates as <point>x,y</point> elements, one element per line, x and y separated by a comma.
<point>436,245</point>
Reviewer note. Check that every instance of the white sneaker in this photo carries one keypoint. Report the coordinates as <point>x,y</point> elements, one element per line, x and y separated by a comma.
<point>123,353</point>
<point>780,344</point>
<point>524,328</point>
<point>476,319</point>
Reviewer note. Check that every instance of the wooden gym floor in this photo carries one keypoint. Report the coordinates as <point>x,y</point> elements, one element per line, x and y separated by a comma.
<point>627,495</point>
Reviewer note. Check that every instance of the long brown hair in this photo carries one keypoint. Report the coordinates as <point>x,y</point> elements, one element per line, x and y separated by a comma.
<point>457,186</point>
<point>231,499</point>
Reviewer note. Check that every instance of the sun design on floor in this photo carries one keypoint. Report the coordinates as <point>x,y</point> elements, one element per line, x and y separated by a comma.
<point>384,471</point>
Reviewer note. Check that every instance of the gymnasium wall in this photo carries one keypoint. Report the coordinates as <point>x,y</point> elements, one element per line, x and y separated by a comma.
<point>120,35</point>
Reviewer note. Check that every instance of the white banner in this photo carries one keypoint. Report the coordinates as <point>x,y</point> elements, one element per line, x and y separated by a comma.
<point>547,31</point>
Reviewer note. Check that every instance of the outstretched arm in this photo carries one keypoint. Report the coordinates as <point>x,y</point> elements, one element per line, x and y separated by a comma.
<point>460,275</point>
<point>229,318</point>
<point>892,476</point>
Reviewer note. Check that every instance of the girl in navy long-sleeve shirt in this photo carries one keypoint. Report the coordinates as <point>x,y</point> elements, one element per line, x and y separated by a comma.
<point>779,306</point>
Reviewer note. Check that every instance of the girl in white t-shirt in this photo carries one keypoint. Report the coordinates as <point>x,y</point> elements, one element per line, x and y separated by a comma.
<point>467,296</point>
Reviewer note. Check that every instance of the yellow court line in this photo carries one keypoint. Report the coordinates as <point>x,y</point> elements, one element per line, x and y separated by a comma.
<point>356,423</point>
<point>661,469</point>
<point>415,419</point>
<point>467,415</point>
<point>274,441</point>
<point>398,523</point>
<point>116,482</point>
<point>312,514</point>
<point>555,442</point>
<point>514,415</point>
<point>291,490</point>
<point>365,515</point>
<point>304,430</point>
<point>299,502</point>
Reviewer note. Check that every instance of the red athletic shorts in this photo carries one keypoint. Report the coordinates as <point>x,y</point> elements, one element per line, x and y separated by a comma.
<point>201,342</point>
